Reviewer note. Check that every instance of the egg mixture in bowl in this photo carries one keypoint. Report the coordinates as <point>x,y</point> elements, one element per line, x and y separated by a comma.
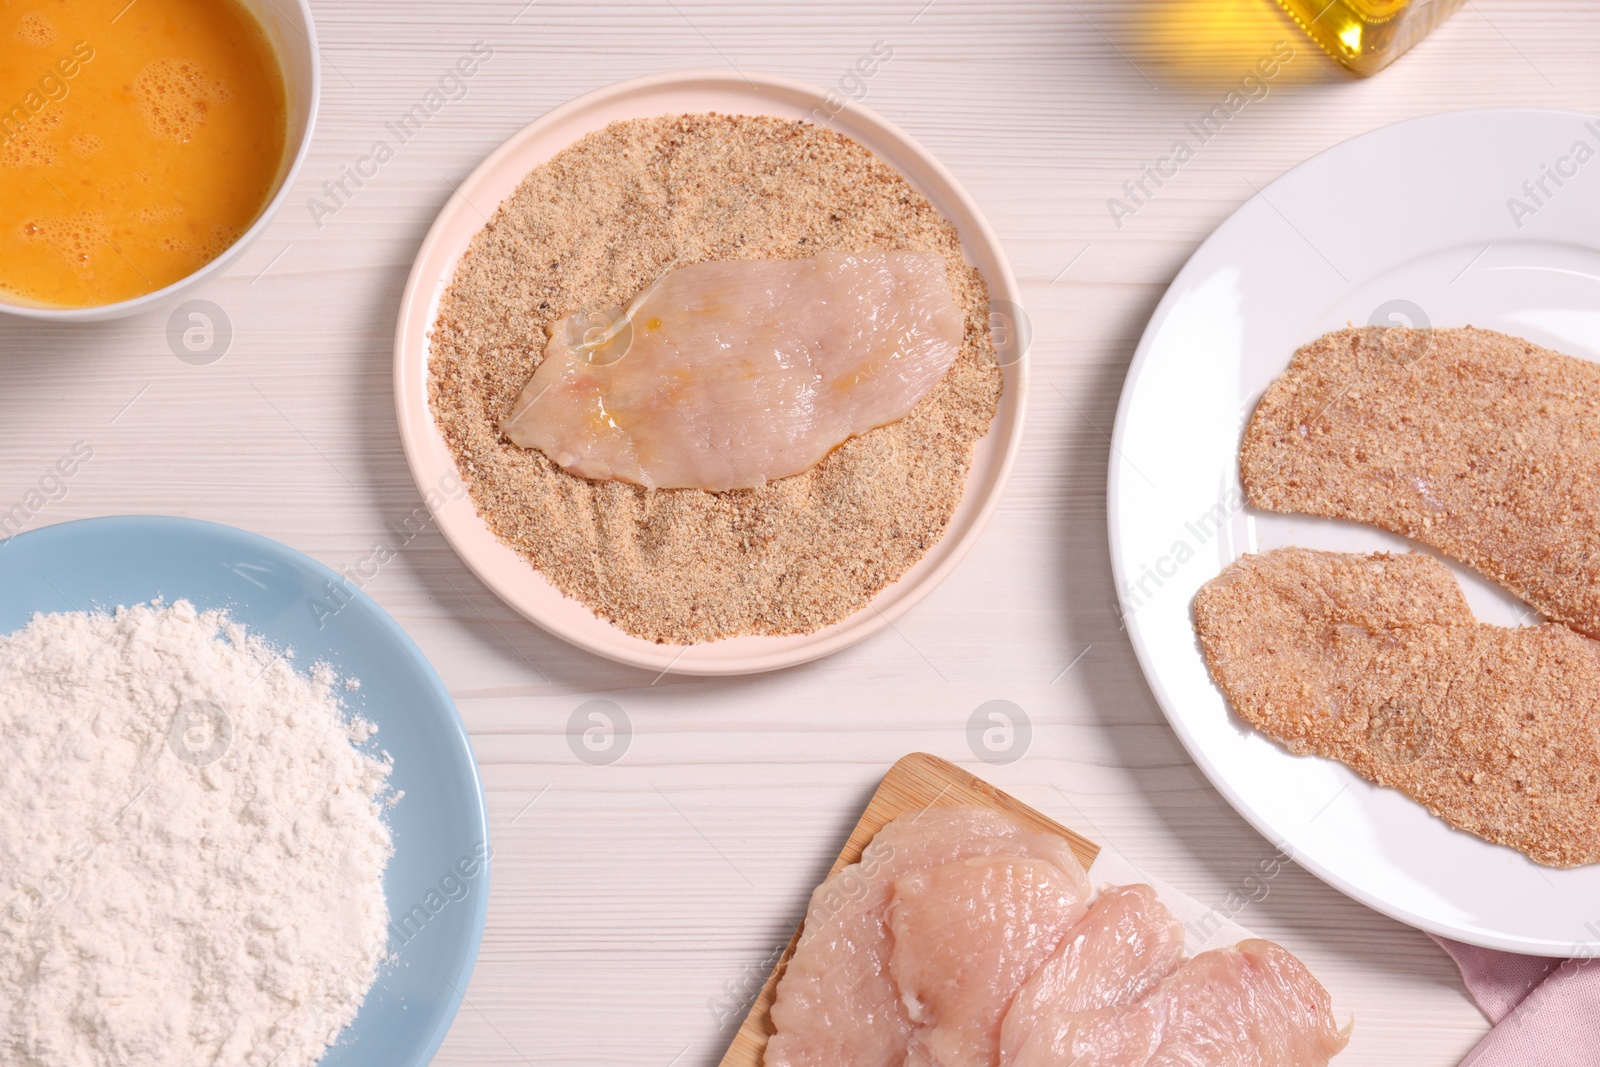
<point>138,142</point>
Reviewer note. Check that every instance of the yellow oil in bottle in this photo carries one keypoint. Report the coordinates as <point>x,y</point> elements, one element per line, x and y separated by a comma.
<point>1368,35</point>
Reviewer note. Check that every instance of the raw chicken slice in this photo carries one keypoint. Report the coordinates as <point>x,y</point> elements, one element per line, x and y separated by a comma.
<point>1252,1005</point>
<point>837,1003</point>
<point>1118,1036</point>
<point>728,375</point>
<point>1127,944</point>
<point>966,936</point>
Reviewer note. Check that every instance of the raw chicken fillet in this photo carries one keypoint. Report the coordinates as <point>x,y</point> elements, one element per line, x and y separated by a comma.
<point>1126,945</point>
<point>1252,1005</point>
<point>966,936</point>
<point>728,375</point>
<point>963,940</point>
<point>837,1003</point>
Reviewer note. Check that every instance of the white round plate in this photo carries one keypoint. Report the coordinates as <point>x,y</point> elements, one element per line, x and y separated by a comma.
<point>1425,220</point>
<point>434,468</point>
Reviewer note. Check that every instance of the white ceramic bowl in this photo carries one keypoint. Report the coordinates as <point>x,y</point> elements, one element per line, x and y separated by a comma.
<point>434,467</point>
<point>294,39</point>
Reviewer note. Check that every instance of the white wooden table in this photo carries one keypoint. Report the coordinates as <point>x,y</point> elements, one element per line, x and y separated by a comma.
<point>633,901</point>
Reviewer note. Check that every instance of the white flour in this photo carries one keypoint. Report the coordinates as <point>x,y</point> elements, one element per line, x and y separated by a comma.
<point>163,901</point>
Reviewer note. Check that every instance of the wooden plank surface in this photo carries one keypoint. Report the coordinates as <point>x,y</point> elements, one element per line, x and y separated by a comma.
<point>637,905</point>
<point>915,783</point>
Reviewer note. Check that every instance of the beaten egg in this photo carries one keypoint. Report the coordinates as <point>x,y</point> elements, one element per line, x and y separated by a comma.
<point>138,141</point>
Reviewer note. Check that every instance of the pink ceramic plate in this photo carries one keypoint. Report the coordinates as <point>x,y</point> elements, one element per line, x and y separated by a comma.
<point>507,573</point>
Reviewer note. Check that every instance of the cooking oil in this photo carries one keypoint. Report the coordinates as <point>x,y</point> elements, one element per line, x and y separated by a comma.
<point>1368,35</point>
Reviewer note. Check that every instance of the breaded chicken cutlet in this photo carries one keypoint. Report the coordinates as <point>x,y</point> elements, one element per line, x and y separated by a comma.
<point>1377,661</point>
<point>1485,446</point>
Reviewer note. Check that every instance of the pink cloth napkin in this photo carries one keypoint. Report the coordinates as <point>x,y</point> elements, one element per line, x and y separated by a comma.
<point>1546,1012</point>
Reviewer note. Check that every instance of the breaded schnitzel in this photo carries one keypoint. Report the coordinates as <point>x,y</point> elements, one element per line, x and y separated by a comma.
<point>1376,661</point>
<point>1485,446</point>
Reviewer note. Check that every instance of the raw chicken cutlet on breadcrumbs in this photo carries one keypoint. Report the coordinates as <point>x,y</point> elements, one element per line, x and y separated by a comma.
<point>592,227</point>
<point>1378,662</point>
<point>730,375</point>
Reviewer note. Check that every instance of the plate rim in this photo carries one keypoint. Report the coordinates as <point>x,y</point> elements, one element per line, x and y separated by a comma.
<point>1114,482</point>
<point>480,907</point>
<point>417,425</point>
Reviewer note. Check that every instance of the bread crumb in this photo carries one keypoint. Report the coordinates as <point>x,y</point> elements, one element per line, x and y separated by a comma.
<point>597,223</point>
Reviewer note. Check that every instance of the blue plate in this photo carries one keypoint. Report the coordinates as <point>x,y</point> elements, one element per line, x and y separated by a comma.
<point>437,884</point>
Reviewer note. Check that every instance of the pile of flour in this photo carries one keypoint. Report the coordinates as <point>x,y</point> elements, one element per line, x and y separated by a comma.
<point>191,846</point>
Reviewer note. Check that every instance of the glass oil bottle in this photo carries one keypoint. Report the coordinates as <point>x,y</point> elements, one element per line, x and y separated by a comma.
<point>1368,35</point>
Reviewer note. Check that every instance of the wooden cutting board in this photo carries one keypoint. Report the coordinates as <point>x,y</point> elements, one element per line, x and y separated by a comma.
<point>917,781</point>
